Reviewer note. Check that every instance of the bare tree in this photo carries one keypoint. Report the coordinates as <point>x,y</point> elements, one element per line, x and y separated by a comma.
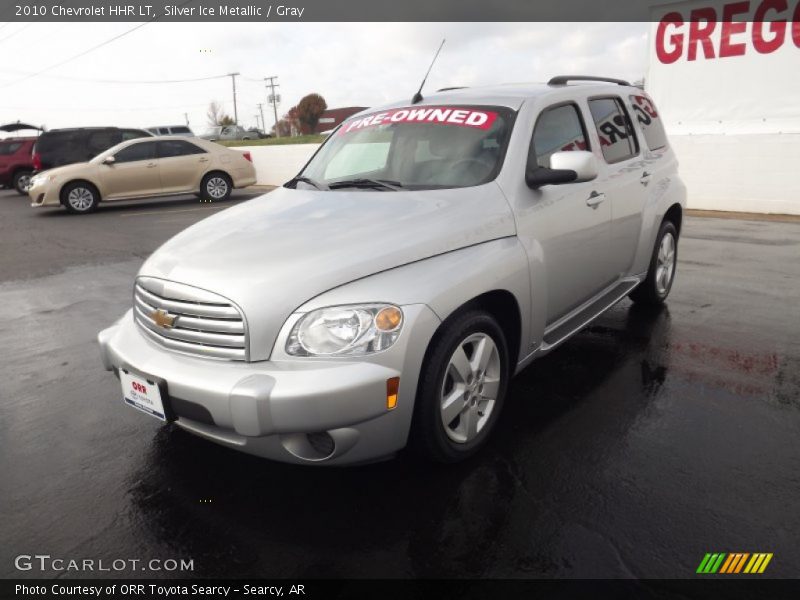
<point>216,115</point>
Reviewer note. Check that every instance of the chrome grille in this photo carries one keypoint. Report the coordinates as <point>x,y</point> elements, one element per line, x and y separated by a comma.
<point>204,323</point>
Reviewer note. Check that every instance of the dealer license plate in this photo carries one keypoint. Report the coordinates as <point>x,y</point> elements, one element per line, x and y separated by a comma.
<point>142,394</point>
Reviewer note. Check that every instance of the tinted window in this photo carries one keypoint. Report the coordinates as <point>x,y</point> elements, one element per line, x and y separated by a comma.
<point>177,148</point>
<point>181,130</point>
<point>143,151</point>
<point>650,121</point>
<point>9,148</point>
<point>617,140</point>
<point>557,129</point>
<point>98,141</point>
<point>132,134</point>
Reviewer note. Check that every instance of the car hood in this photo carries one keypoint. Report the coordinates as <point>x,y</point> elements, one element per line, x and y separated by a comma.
<point>274,253</point>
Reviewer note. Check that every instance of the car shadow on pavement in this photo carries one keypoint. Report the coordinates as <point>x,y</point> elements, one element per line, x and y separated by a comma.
<point>146,205</point>
<point>238,515</point>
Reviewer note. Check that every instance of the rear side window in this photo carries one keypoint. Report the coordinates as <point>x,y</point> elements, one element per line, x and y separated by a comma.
<point>143,151</point>
<point>650,121</point>
<point>558,129</point>
<point>167,149</point>
<point>132,134</point>
<point>102,140</point>
<point>617,139</point>
<point>9,148</point>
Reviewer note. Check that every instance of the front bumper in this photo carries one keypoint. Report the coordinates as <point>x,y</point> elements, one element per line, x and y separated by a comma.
<point>287,410</point>
<point>44,193</point>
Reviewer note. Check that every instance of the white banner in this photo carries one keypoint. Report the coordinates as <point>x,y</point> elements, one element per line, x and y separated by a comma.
<point>721,68</point>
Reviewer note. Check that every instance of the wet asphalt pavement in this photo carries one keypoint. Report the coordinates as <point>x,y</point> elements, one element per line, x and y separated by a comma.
<point>646,441</point>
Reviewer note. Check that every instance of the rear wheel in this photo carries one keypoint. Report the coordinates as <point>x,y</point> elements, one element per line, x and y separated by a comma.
<point>461,390</point>
<point>80,197</point>
<point>216,187</point>
<point>22,181</point>
<point>658,283</point>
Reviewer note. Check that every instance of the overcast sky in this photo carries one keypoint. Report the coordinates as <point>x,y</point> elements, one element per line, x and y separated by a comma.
<point>350,64</point>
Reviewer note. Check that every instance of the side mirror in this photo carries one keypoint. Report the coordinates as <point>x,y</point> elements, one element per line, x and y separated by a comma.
<point>565,167</point>
<point>109,160</point>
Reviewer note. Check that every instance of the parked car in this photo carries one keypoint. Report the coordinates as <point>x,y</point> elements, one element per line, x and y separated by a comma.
<point>142,168</point>
<point>177,130</point>
<point>16,164</point>
<point>425,254</point>
<point>59,147</point>
<point>228,132</point>
<point>258,134</point>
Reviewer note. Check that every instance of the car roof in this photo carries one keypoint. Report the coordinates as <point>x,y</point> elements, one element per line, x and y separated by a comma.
<point>510,95</point>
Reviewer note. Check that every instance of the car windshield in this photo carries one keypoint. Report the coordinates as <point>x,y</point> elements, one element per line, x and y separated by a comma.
<point>413,148</point>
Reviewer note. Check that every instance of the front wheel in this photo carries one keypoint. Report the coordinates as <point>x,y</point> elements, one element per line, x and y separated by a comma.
<point>216,187</point>
<point>658,283</point>
<point>461,390</point>
<point>80,197</point>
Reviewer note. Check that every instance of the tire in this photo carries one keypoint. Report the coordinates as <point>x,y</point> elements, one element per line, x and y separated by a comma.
<point>216,187</point>
<point>663,264</point>
<point>449,436</point>
<point>80,197</point>
<point>22,181</point>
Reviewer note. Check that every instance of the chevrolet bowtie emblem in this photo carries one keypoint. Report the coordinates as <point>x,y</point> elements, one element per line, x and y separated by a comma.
<point>163,318</point>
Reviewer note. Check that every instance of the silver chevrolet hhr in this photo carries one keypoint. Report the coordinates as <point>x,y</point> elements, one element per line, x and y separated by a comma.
<point>426,253</point>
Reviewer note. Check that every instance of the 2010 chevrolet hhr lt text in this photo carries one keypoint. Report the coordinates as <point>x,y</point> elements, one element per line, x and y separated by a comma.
<point>425,254</point>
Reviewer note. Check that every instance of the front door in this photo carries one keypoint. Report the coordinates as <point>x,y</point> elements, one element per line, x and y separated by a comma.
<point>134,172</point>
<point>566,227</point>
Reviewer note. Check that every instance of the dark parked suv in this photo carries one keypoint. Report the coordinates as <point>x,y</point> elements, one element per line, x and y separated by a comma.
<point>59,147</point>
<point>16,165</point>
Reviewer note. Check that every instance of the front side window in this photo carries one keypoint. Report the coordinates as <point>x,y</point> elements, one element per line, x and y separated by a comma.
<point>132,134</point>
<point>558,129</point>
<point>136,152</point>
<point>650,121</point>
<point>617,139</point>
<point>168,149</point>
<point>417,147</point>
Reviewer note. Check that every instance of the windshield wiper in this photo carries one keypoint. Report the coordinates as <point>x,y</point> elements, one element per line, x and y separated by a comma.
<point>309,181</point>
<point>366,182</point>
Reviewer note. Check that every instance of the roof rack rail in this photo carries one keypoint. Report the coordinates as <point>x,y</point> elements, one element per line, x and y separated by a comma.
<point>455,87</point>
<point>564,79</point>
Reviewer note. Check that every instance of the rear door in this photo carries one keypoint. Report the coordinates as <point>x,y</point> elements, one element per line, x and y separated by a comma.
<point>624,178</point>
<point>135,172</point>
<point>181,165</point>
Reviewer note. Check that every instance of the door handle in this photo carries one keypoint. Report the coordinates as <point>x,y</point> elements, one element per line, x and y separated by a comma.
<point>595,199</point>
<point>151,165</point>
<point>203,160</point>
<point>645,179</point>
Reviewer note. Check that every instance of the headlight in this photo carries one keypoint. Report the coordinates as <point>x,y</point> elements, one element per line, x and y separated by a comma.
<point>346,330</point>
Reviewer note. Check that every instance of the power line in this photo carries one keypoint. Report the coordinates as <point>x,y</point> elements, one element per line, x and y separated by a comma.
<point>85,52</point>
<point>117,81</point>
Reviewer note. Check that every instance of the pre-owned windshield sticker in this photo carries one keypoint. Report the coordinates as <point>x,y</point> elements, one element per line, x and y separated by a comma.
<point>442,115</point>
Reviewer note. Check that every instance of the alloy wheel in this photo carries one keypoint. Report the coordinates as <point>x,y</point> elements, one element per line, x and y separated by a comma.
<point>470,387</point>
<point>217,187</point>
<point>665,265</point>
<point>80,199</point>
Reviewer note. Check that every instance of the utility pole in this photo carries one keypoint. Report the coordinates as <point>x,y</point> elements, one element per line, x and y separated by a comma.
<point>235,111</point>
<point>273,98</point>
<point>258,123</point>
<point>263,122</point>
<point>186,116</point>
